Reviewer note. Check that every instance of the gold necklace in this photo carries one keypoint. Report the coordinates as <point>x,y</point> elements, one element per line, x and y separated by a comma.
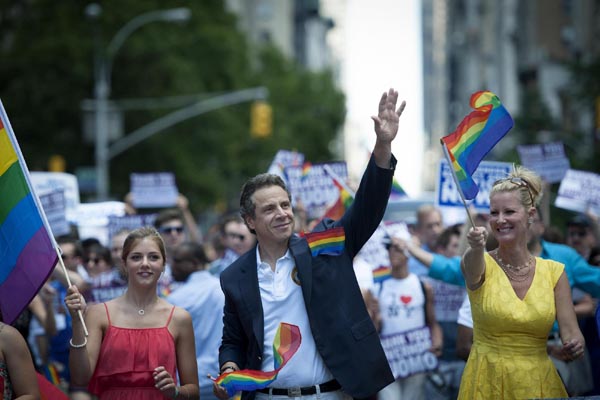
<point>516,273</point>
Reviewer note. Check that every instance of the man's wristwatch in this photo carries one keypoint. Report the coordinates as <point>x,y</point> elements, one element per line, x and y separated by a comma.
<point>227,368</point>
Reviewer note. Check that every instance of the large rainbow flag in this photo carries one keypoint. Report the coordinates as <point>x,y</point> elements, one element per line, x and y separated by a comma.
<point>474,137</point>
<point>27,248</point>
<point>286,343</point>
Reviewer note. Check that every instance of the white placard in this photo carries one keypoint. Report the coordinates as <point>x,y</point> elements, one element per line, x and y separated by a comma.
<point>92,219</point>
<point>486,174</point>
<point>284,159</point>
<point>153,190</point>
<point>579,191</point>
<point>54,205</point>
<point>548,160</point>
<point>45,182</point>
<point>408,352</point>
<point>315,189</point>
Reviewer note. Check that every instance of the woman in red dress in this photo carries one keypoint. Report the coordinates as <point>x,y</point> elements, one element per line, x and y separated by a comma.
<point>138,343</point>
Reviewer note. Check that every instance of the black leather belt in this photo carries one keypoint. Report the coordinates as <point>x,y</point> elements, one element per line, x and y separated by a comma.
<point>330,386</point>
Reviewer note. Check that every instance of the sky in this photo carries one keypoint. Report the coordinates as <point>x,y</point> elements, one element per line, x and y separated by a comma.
<point>378,45</point>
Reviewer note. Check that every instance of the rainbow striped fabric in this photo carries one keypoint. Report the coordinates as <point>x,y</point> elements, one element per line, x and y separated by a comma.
<point>286,343</point>
<point>337,210</point>
<point>381,273</point>
<point>397,191</point>
<point>330,241</point>
<point>26,245</point>
<point>474,137</point>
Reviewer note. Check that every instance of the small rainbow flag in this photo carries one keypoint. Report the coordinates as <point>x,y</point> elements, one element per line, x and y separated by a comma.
<point>381,273</point>
<point>474,137</point>
<point>329,242</point>
<point>286,343</point>
<point>26,243</point>
<point>343,202</point>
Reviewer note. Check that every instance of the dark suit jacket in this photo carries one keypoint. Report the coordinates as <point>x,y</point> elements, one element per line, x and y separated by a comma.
<point>342,329</point>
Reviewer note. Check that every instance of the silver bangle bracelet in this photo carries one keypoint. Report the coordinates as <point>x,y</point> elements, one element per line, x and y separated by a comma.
<point>78,346</point>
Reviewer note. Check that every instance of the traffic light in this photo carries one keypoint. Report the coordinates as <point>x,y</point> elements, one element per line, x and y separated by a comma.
<point>261,119</point>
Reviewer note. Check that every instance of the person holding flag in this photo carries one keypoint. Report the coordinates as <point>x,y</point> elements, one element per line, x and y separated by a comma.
<point>308,282</point>
<point>515,299</point>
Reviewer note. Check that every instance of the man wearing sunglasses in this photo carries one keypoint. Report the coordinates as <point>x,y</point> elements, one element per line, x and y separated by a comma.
<point>236,239</point>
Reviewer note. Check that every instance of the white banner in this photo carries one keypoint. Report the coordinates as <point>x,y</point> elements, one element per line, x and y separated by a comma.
<point>579,191</point>
<point>284,159</point>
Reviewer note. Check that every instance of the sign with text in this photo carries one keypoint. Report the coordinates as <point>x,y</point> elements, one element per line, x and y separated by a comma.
<point>548,160</point>
<point>130,222</point>
<point>92,219</point>
<point>44,182</point>
<point>153,190</point>
<point>374,252</point>
<point>579,191</point>
<point>284,159</point>
<point>315,188</point>
<point>408,352</point>
<point>54,206</point>
<point>487,173</point>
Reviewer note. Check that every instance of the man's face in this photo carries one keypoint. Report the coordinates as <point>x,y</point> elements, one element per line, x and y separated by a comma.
<point>273,218</point>
<point>237,237</point>
<point>116,249</point>
<point>429,228</point>
<point>451,249</point>
<point>581,238</point>
<point>172,232</point>
<point>183,264</point>
<point>70,260</point>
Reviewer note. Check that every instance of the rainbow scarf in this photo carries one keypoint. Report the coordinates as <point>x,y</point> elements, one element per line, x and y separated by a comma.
<point>286,343</point>
<point>474,137</point>
<point>26,243</point>
<point>381,273</point>
<point>330,241</point>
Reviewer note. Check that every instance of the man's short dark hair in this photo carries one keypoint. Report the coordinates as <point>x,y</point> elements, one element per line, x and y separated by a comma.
<point>247,206</point>
<point>168,215</point>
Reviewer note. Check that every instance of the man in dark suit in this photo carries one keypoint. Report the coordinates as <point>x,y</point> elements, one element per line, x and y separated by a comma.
<point>284,279</point>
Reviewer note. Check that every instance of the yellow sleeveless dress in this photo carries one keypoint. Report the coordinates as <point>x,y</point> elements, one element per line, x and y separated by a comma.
<point>508,359</point>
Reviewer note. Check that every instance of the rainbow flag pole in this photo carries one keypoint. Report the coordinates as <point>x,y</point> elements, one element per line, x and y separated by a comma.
<point>460,192</point>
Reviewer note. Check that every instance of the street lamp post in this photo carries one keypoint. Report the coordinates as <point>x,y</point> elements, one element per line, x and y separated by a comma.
<point>102,83</point>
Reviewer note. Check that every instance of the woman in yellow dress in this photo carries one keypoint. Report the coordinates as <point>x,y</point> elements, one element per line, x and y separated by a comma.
<point>515,299</point>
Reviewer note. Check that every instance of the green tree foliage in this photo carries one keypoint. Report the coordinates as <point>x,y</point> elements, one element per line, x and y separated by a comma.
<point>48,51</point>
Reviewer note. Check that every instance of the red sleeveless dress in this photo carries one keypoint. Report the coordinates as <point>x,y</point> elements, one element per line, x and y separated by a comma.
<point>127,359</point>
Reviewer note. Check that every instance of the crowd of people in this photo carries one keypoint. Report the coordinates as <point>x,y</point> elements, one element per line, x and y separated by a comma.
<point>502,309</point>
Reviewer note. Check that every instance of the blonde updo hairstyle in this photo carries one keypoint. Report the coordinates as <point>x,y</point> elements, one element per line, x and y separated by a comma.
<point>138,235</point>
<point>523,180</point>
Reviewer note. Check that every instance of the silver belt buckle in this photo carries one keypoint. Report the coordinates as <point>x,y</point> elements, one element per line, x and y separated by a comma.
<point>294,392</point>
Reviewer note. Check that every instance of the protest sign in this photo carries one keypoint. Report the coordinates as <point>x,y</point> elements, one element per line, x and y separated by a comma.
<point>408,352</point>
<point>44,182</point>
<point>153,190</point>
<point>54,206</point>
<point>130,222</point>
<point>92,219</point>
<point>314,187</point>
<point>284,159</point>
<point>548,160</point>
<point>486,174</point>
<point>579,191</point>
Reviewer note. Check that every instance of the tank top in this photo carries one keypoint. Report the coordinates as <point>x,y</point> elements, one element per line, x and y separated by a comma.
<point>127,359</point>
